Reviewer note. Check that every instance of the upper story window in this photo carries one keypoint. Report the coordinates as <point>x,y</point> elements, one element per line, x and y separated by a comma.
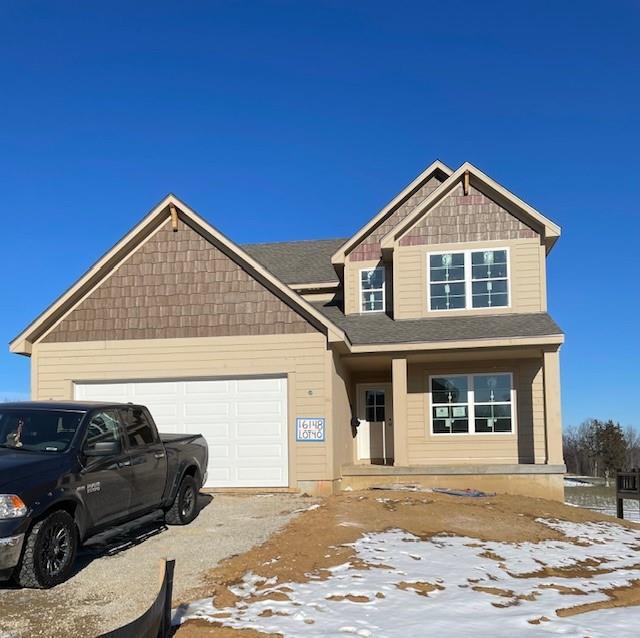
<point>468,279</point>
<point>372,290</point>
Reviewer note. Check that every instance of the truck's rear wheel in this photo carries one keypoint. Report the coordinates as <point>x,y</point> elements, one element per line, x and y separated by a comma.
<point>49,552</point>
<point>184,508</point>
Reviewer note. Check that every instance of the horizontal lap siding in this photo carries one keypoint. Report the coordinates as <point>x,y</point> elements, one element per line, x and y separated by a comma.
<point>527,445</point>
<point>301,356</point>
<point>343,442</point>
<point>526,277</point>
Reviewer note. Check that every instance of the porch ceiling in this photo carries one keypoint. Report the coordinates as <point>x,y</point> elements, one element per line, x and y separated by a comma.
<point>377,362</point>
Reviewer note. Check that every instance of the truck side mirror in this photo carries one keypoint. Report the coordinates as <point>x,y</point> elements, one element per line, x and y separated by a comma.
<point>104,448</point>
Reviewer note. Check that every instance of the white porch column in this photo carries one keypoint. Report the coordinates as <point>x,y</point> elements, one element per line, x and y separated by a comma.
<point>553,408</point>
<point>400,420</point>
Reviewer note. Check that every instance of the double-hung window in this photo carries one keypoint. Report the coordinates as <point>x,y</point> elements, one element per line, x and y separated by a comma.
<point>472,403</point>
<point>447,281</point>
<point>372,290</point>
<point>468,279</point>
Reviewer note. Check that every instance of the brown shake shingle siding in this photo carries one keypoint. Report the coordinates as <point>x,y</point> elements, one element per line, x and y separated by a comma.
<point>463,218</point>
<point>369,247</point>
<point>178,285</point>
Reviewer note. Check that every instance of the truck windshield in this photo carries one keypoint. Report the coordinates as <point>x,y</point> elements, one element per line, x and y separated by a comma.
<point>38,430</point>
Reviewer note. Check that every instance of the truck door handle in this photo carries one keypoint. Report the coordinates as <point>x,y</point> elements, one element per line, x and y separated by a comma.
<point>159,455</point>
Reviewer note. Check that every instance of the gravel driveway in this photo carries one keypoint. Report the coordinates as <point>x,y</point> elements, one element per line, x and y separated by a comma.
<point>117,578</point>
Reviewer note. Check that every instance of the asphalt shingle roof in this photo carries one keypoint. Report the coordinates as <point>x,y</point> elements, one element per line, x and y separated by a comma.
<point>295,262</point>
<point>379,328</point>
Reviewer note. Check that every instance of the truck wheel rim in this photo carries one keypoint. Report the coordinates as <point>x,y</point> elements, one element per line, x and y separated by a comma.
<point>188,502</point>
<point>56,549</point>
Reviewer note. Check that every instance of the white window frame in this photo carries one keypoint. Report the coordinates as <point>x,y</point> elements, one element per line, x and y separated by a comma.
<point>384,289</point>
<point>468,278</point>
<point>471,403</point>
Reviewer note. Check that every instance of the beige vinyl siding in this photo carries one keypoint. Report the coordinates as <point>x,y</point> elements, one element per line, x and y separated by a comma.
<point>302,357</point>
<point>525,445</point>
<point>343,442</point>
<point>526,278</point>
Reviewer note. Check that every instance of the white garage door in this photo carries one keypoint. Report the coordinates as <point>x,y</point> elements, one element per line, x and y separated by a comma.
<point>243,420</point>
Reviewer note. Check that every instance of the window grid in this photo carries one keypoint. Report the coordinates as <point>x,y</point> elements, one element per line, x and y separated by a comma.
<point>375,405</point>
<point>471,405</point>
<point>372,299</point>
<point>503,281</point>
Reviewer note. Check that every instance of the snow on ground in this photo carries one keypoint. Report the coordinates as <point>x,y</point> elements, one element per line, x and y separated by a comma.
<point>576,483</point>
<point>450,586</point>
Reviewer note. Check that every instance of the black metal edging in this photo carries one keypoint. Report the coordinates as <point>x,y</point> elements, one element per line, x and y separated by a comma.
<point>627,487</point>
<point>156,621</point>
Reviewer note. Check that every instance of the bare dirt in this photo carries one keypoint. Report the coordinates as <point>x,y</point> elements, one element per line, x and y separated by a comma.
<point>315,541</point>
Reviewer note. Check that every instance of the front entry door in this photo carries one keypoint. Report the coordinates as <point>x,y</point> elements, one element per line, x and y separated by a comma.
<point>374,440</point>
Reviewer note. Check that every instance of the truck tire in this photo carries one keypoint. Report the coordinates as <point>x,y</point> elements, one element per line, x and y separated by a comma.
<point>184,508</point>
<point>49,552</point>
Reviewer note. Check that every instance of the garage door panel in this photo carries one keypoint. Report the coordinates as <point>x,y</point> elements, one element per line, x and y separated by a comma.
<point>258,476</point>
<point>219,451</point>
<point>254,430</point>
<point>244,422</point>
<point>220,475</point>
<point>164,410</point>
<point>159,389</point>
<point>109,392</point>
<point>262,408</point>
<point>259,385</point>
<point>216,432</point>
<point>260,455</point>
<point>207,387</point>
<point>207,409</point>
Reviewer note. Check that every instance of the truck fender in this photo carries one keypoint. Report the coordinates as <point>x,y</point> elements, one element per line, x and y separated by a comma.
<point>192,468</point>
<point>65,499</point>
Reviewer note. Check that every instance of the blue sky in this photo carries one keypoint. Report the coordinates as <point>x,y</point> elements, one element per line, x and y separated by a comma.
<point>294,120</point>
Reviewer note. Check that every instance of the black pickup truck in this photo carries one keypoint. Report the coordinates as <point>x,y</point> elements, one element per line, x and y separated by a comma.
<point>69,470</point>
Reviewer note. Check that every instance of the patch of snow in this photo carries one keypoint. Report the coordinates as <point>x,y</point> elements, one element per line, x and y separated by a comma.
<point>496,588</point>
<point>315,506</point>
<point>575,483</point>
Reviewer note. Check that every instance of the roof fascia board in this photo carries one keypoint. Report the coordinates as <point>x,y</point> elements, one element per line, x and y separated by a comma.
<point>339,256</point>
<point>123,248</point>
<point>315,286</point>
<point>551,231</point>
<point>547,340</point>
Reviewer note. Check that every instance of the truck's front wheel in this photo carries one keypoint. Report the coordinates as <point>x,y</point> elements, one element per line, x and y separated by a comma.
<point>49,552</point>
<point>184,508</point>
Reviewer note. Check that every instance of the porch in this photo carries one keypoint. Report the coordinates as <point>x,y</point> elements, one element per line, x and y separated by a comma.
<point>486,418</point>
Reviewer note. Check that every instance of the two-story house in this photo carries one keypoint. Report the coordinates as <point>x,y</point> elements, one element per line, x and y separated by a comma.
<point>418,350</point>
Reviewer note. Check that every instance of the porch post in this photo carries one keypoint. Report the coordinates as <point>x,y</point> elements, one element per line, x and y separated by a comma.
<point>552,408</point>
<point>400,421</point>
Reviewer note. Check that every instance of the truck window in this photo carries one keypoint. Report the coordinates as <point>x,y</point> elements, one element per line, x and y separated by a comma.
<point>139,431</point>
<point>103,426</point>
<point>38,430</point>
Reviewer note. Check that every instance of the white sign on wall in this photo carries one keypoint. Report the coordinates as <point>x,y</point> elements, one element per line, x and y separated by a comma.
<point>309,429</point>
